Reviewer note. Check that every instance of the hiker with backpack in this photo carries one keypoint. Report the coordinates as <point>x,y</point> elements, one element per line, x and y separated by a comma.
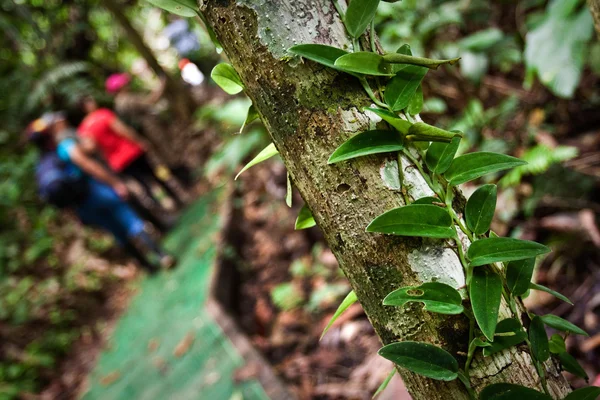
<point>69,178</point>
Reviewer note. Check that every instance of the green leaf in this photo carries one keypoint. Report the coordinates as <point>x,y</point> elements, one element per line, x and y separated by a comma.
<point>586,393</point>
<point>364,62</point>
<point>509,391</point>
<point>489,250</point>
<point>423,132</point>
<point>480,208</point>
<point>251,115</point>
<point>485,292</point>
<point>365,143</point>
<point>542,288</point>
<point>539,339</point>
<point>305,219</point>
<point>288,193</point>
<point>437,297</point>
<point>402,87</point>
<point>415,220</point>
<point>265,154</point>
<point>482,40</point>
<point>570,364</point>
<point>439,155</point>
<point>557,344</point>
<point>397,58</point>
<point>347,302</point>
<point>400,124</point>
<point>184,8</point>
<point>423,359</point>
<point>359,15</point>
<point>475,165</point>
<point>319,53</point>
<point>509,325</point>
<point>385,383</point>
<point>518,275</point>
<point>427,200</point>
<point>227,78</point>
<point>562,325</point>
<point>416,102</point>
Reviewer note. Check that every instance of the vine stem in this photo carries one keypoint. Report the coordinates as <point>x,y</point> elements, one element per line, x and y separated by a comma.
<point>372,96</point>
<point>338,8</point>
<point>401,177</point>
<point>467,384</point>
<point>372,37</point>
<point>419,167</point>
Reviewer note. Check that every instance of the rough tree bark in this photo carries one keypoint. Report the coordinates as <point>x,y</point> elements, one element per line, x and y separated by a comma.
<point>309,110</point>
<point>595,9</point>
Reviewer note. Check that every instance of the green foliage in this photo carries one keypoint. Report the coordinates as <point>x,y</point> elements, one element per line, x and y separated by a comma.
<point>518,275</point>
<point>402,87</point>
<point>586,393</point>
<point>437,297</point>
<point>539,159</point>
<point>485,292</point>
<point>439,155</point>
<point>509,332</point>
<point>347,302</point>
<point>415,220</point>
<point>184,8</point>
<point>561,324</point>
<point>287,296</point>
<point>554,293</point>
<point>422,358</point>
<point>365,63</point>
<point>539,340</point>
<point>480,208</point>
<point>556,344</point>
<point>475,165</point>
<point>570,364</point>
<point>305,219</point>
<point>507,391</point>
<point>490,250</point>
<point>319,53</point>
<point>265,154</point>
<point>365,143</point>
<point>227,78</point>
<point>386,382</point>
<point>359,15</point>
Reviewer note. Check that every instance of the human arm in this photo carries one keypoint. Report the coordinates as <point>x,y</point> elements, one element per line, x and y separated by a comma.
<point>96,170</point>
<point>128,132</point>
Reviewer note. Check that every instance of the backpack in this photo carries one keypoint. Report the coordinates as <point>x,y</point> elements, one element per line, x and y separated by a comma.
<point>56,185</point>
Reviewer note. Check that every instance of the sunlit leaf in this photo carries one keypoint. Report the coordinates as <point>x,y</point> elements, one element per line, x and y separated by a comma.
<point>416,102</point>
<point>365,143</point>
<point>475,165</point>
<point>400,124</point>
<point>402,87</point>
<point>509,391</point>
<point>518,275</point>
<point>347,302</point>
<point>397,58</point>
<point>265,154</point>
<point>439,155</point>
<point>585,393</point>
<point>251,115</point>
<point>539,339</point>
<point>562,325</point>
<point>365,63</point>
<point>319,53</point>
<point>415,220</point>
<point>485,292</point>
<point>305,219</point>
<point>385,383</point>
<point>501,342</point>
<point>421,131</point>
<point>359,15</point>
<point>480,208</point>
<point>423,359</point>
<point>436,296</point>
<point>557,344</point>
<point>489,250</point>
<point>554,293</point>
<point>227,78</point>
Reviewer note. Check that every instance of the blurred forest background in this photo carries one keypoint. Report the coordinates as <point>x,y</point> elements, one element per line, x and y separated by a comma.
<point>527,84</point>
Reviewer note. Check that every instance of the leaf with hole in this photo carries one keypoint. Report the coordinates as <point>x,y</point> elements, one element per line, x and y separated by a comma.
<point>518,275</point>
<point>570,364</point>
<point>402,87</point>
<point>359,15</point>
<point>365,63</point>
<point>585,393</point>
<point>184,8</point>
<point>439,155</point>
<point>415,105</point>
<point>420,131</point>
<point>385,383</point>
<point>305,219</point>
<point>539,339</point>
<point>398,58</point>
<point>319,53</point>
<point>500,249</point>
<point>265,154</point>
<point>366,143</point>
<point>554,293</point>
<point>485,292</point>
<point>347,302</point>
<point>423,359</point>
<point>480,208</point>
<point>227,78</point>
<point>509,391</point>
<point>562,325</point>
<point>501,342</point>
<point>415,220</point>
<point>475,165</point>
<point>400,124</point>
<point>436,296</point>
<point>557,344</point>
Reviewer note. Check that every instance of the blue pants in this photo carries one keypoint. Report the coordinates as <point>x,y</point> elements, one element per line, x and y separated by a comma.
<point>103,208</point>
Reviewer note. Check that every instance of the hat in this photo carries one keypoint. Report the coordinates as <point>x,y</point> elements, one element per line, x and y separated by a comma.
<point>41,125</point>
<point>116,82</point>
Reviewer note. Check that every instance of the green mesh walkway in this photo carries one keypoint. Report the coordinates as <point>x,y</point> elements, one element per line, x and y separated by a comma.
<point>166,346</point>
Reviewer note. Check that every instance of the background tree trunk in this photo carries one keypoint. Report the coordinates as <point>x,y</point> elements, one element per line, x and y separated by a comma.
<point>309,110</point>
<point>595,9</point>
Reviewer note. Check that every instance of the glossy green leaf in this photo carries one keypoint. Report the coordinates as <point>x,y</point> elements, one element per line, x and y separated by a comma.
<point>480,208</point>
<point>251,115</point>
<point>319,53</point>
<point>436,296</point>
<point>475,165</point>
<point>265,154</point>
<point>404,49</point>
<point>539,339</point>
<point>400,124</point>
<point>485,292</point>
<point>359,15</point>
<point>420,131</point>
<point>385,383</point>
<point>415,104</point>
<point>365,63</point>
<point>423,359</point>
<point>184,8</point>
<point>402,87</point>
<point>305,219</point>
<point>347,302</point>
<point>501,342</point>
<point>415,220</point>
<point>427,200</point>
<point>562,325</point>
<point>489,250</point>
<point>586,393</point>
<point>365,143</point>
<point>518,275</point>
<point>288,193</point>
<point>227,78</point>
<point>557,344</point>
<point>509,391</point>
<point>554,293</point>
<point>439,155</point>
<point>397,58</point>
<point>570,364</point>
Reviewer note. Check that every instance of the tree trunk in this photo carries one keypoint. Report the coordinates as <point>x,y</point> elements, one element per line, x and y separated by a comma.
<point>182,103</point>
<point>595,9</point>
<point>309,111</point>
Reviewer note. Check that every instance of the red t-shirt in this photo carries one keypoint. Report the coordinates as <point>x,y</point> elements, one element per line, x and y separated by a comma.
<point>119,151</point>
